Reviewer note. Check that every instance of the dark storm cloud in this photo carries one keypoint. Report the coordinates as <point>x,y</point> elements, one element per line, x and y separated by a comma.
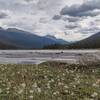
<point>56,17</point>
<point>43,20</point>
<point>70,26</point>
<point>28,0</point>
<point>90,13</point>
<point>85,9</point>
<point>66,18</point>
<point>3,15</point>
<point>90,30</point>
<point>71,19</point>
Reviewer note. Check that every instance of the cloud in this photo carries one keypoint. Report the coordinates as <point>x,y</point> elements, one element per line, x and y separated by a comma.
<point>89,8</point>
<point>56,17</point>
<point>3,15</point>
<point>90,30</point>
<point>90,13</point>
<point>72,25</point>
<point>70,18</point>
<point>41,17</point>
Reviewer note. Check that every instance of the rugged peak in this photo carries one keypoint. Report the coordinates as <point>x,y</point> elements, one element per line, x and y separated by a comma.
<point>50,36</point>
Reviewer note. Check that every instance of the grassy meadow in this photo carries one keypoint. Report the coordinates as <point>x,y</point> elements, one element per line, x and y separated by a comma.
<point>49,81</point>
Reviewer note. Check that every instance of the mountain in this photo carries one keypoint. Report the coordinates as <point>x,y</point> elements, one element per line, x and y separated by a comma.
<point>59,41</point>
<point>13,38</point>
<point>90,42</point>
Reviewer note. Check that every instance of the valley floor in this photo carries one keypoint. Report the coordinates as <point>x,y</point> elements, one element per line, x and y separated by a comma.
<point>39,56</point>
<point>49,81</point>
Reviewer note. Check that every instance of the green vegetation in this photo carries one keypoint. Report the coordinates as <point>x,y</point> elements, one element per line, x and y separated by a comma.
<point>49,81</point>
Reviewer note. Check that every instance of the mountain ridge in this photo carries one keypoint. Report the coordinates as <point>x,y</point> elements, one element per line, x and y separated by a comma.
<point>92,42</point>
<point>88,43</point>
<point>13,37</point>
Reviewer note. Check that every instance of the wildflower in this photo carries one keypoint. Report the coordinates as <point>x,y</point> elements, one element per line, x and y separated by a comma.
<point>67,71</point>
<point>48,86</point>
<point>39,90</point>
<point>52,80</point>
<point>60,83</point>
<point>66,86</point>
<point>94,94</point>
<point>55,93</point>
<point>31,91</point>
<point>35,85</point>
<point>93,71</point>
<point>98,81</point>
<point>95,85</point>
<point>45,77</point>
<point>18,72</point>
<point>7,88</point>
<point>63,74</point>
<point>78,82</point>
<point>23,85</point>
<point>31,96</point>
<point>59,80</point>
<point>0,90</point>
<point>8,92</point>
<point>74,86</point>
<point>20,91</point>
<point>66,91</point>
<point>72,93</point>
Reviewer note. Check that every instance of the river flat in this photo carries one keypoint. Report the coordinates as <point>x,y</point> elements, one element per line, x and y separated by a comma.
<point>39,56</point>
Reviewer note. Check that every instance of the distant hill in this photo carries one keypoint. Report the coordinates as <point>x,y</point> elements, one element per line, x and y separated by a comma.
<point>89,43</point>
<point>59,41</point>
<point>13,38</point>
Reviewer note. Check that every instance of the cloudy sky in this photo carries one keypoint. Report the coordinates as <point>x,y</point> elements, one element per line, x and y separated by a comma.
<point>68,19</point>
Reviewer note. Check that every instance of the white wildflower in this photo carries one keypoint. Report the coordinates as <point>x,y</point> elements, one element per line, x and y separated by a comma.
<point>23,85</point>
<point>8,92</point>
<point>39,90</point>
<point>67,71</point>
<point>72,71</point>
<point>95,85</point>
<point>7,88</point>
<point>0,90</point>
<point>20,91</point>
<point>18,72</point>
<point>66,91</point>
<point>59,80</point>
<point>31,91</point>
<point>74,86</point>
<point>31,96</point>
<point>72,93</point>
<point>45,77</point>
<point>52,80</point>
<point>66,87</point>
<point>64,74</point>
<point>94,94</point>
<point>60,83</point>
<point>78,82</point>
<point>98,81</point>
<point>35,85</point>
<point>48,86</point>
<point>55,93</point>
